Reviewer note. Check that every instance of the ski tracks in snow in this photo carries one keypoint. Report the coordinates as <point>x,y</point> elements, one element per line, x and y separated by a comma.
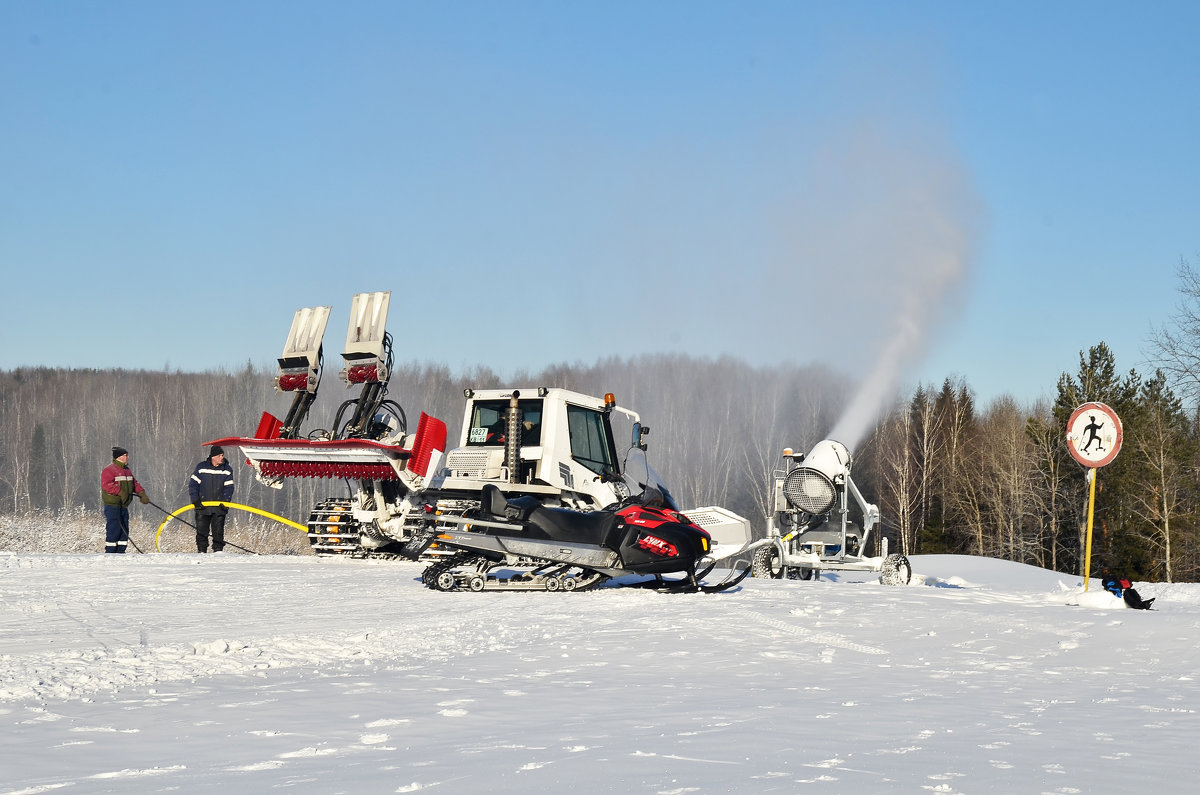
<point>820,638</point>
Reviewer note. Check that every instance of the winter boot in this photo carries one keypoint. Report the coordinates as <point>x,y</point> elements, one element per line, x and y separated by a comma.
<point>1134,600</point>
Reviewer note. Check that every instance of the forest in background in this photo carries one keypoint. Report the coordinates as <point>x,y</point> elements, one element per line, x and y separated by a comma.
<point>948,475</point>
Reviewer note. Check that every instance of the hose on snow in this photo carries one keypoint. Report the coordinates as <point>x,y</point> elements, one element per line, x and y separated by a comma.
<point>175,514</point>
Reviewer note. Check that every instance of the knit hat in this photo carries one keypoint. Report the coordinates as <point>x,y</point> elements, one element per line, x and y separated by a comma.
<point>215,451</point>
<point>119,451</point>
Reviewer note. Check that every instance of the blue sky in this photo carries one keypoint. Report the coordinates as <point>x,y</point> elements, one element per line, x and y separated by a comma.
<point>548,182</point>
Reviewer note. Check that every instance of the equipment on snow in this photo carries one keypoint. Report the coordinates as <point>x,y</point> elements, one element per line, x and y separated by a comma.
<point>177,514</point>
<point>554,446</point>
<point>810,527</point>
<point>523,545</point>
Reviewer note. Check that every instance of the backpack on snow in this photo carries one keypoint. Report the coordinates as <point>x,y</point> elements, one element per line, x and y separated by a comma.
<point>1121,588</point>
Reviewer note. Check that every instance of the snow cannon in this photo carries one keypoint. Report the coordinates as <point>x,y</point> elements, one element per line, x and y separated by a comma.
<point>812,526</point>
<point>813,485</point>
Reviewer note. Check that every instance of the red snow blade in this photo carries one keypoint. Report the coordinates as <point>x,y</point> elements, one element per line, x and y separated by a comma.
<point>302,458</point>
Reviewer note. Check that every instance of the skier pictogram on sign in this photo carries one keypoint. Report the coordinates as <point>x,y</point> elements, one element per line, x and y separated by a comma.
<point>1094,434</point>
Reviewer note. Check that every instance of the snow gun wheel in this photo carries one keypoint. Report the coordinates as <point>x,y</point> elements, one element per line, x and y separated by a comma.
<point>896,570</point>
<point>767,563</point>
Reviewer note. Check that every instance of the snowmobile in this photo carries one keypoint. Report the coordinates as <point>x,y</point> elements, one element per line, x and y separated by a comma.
<point>520,544</point>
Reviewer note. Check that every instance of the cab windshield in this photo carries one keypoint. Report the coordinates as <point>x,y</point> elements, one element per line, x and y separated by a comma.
<point>489,423</point>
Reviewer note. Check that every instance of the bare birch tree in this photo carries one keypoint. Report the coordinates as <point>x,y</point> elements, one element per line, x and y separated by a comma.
<point>1052,490</point>
<point>1164,449</point>
<point>1176,345</point>
<point>900,477</point>
<point>1007,478</point>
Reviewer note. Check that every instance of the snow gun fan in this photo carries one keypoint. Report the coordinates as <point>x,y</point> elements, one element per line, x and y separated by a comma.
<point>812,487</point>
<point>810,528</point>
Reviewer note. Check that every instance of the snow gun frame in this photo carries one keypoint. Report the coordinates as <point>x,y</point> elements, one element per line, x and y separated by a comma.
<point>810,529</point>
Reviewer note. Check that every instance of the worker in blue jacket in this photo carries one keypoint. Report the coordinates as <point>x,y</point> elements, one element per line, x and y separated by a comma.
<point>211,482</point>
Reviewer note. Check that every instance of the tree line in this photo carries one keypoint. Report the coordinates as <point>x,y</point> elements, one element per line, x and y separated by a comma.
<point>948,475</point>
<point>714,423</point>
<point>1000,481</point>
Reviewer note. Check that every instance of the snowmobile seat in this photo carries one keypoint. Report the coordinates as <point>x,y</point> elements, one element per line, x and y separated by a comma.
<point>493,501</point>
<point>521,508</point>
<point>562,524</point>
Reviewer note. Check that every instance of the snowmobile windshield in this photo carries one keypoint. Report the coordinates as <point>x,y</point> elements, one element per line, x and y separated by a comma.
<point>641,478</point>
<point>653,498</point>
<point>637,470</point>
<point>665,495</point>
<point>489,423</point>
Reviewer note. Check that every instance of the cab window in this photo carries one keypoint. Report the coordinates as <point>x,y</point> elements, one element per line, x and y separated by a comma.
<point>489,423</point>
<point>590,443</point>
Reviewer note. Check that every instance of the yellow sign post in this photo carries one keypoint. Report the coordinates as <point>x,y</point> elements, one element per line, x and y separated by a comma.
<point>1087,555</point>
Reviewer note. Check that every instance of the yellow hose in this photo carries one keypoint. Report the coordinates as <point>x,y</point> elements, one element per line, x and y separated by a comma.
<point>214,503</point>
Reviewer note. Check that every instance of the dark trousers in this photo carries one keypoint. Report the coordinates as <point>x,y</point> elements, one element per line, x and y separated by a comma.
<point>210,519</point>
<point>116,528</point>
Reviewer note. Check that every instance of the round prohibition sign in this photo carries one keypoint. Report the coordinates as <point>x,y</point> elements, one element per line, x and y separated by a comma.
<point>1094,434</point>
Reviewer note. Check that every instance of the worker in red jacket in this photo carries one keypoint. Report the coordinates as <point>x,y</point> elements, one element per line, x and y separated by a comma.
<point>117,489</point>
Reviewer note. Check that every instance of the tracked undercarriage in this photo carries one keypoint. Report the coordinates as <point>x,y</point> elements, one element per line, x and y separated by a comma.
<point>334,530</point>
<point>468,571</point>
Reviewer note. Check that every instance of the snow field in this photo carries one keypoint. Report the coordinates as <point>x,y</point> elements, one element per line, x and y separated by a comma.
<point>149,673</point>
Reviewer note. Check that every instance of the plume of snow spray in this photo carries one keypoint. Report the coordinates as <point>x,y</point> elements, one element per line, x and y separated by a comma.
<point>906,224</point>
<point>917,306</point>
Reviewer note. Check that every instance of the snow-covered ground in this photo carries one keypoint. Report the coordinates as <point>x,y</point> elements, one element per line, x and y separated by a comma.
<point>182,672</point>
